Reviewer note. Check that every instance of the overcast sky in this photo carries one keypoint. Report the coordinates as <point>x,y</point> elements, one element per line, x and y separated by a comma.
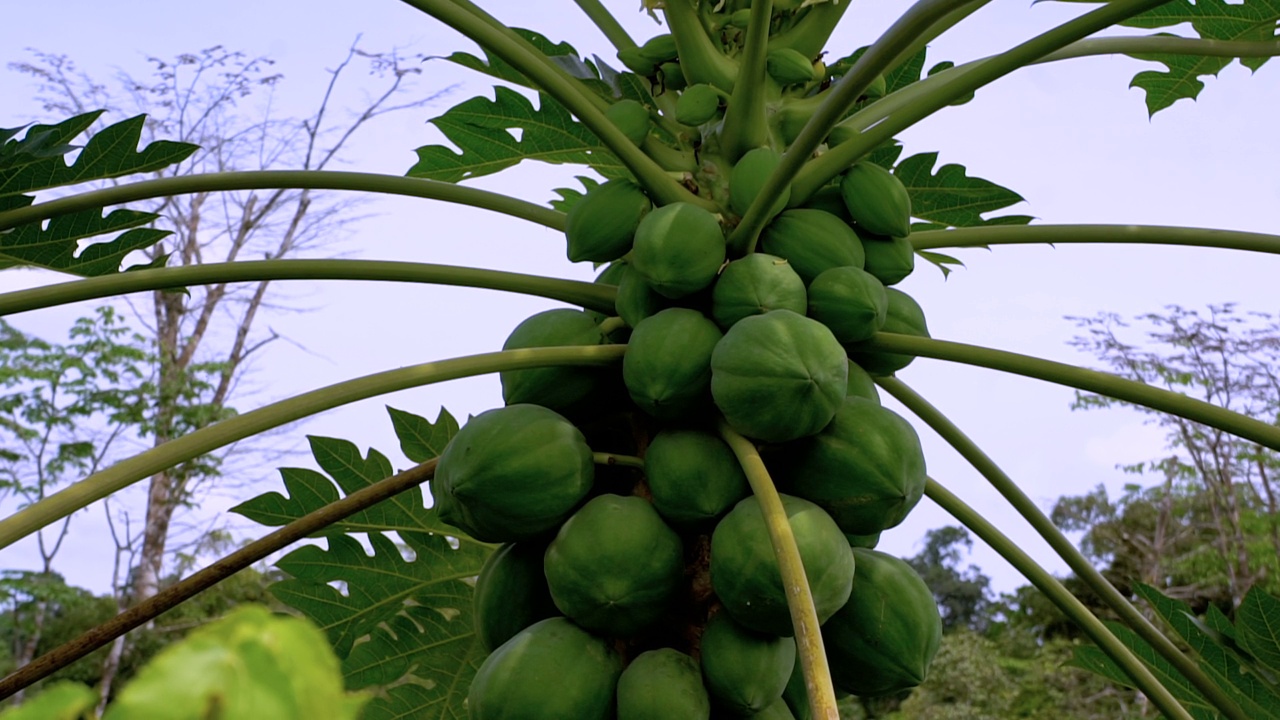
<point>1070,137</point>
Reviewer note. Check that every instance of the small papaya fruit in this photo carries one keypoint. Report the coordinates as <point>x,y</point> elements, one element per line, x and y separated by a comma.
<point>745,671</point>
<point>883,640</point>
<point>813,241</point>
<point>744,567</point>
<point>511,593</point>
<point>796,694</point>
<point>829,199</point>
<point>636,300</point>
<point>698,104</point>
<point>512,473</point>
<point>667,368</point>
<point>779,710</point>
<point>778,376</point>
<point>866,468</point>
<point>559,388</point>
<point>789,66</point>
<point>740,18</point>
<point>851,302</point>
<point>610,275</point>
<point>614,567</point>
<point>635,60</point>
<point>754,285</point>
<point>672,76</point>
<point>632,118</point>
<point>678,249</point>
<point>551,670</point>
<point>599,227</point>
<point>660,48</point>
<point>905,316</point>
<point>693,476</point>
<point>861,385</point>
<point>748,177</point>
<point>663,684</point>
<point>863,541</point>
<point>890,259</point>
<point>877,199</point>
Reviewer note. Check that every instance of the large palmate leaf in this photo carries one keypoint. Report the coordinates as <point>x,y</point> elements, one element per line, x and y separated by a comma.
<point>949,197</point>
<point>57,248</point>
<point>1258,630</point>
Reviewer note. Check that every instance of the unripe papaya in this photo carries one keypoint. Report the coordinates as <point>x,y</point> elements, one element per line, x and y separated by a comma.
<point>749,176</point>
<point>693,477</point>
<point>877,200</point>
<point>829,199</point>
<point>667,368</point>
<point>636,300</point>
<point>610,275</point>
<point>631,118</point>
<point>559,388</point>
<point>744,567</point>
<point>698,104</point>
<point>789,67</point>
<point>615,567</point>
<point>511,593</point>
<point>863,541</point>
<point>778,376</point>
<point>754,285</point>
<point>861,385</point>
<point>890,259</point>
<point>883,640</point>
<point>551,670</point>
<point>779,710</point>
<point>745,671</point>
<point>672,75</point>
<point>678,249</point>
<point>905,316</point>
<point>637,62</point>
<point>600,226</point>
<point>796,694</point>
<point>813,241</point>
<point>512,474</point>
<point>866,468</point>
<point>663,684</point>
<point>851,302</point>
<point>740,18</point>
<point>660,48</point>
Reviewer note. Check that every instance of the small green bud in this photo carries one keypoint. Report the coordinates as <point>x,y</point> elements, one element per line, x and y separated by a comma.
<point>789,67</point>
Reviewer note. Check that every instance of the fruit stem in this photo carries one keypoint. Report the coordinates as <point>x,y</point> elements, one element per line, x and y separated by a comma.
<point>1071,606</point>
<point>745,126</point>
<point>810,34</point>
<point>1055,234</point>
<point>608,24</point>
<point>610,324</point>
<point>700,60</point>
<point>804,616</point>
<point>592,296</point>
<point>145,464</point>
<point>1085,570</point>
<point>630,461</point>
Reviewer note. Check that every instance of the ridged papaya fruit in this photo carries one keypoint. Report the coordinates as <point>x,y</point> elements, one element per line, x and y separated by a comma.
<point>877,200</point>
<point>511,593</point>
<point>698,104</point>
<point>866,468</point>
<point>551,670</point>
<point>828,199</point>
<point>905,317</point>
<point>558,388</point>
<point>883,640</point>
<point>778,376</point>
<point>861,385</point>
<point>789,66</point>
<point>600,226</point>
<point>632,118</point>
<point>813,242</point>
<point>663,684</point>
<point>747,179</point>
<point>678,249</point>
<point>693,476</point>
<point>672,76</point>
<point>754,285</point>
<point>851,302</point>
<point>667,368</point>
<point>745,671</point>
<point>863,541</point>
<point>615,567</point>
<point>660,48</point>
<point>636,300</point>
<point>744,568</point>
<point>512,474</point>
<point>889,259</point>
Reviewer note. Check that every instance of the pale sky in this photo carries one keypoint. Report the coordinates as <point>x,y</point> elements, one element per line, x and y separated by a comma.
<point>1070,137</point>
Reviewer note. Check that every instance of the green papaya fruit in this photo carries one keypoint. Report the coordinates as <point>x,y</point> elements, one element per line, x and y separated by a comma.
<point>778,376</point>
<point>796,694</point>
<point>906,317</point>
<point>740,18</point>
<point>558,388</point>
<point>745,671</point>
<point>660,48</point>
<point>883,640</point>
<point>693,476</point>
<point>698,104</point>
<point>600,226</point>
<point>754,285</point>
<point>779,710</point>
<point>672,76</point>
<point>614,567</point>
<point>866,468</point>
<point>861,385</point>
<point>667,368</point>
<point>637,62</point>
<point>748,177</point>
<point>863,541</point>
<point>851,302</point>
<point>511,593</point>
<point>678,249</point>
<point>813,242</point>
<point>889,259</point>
<point>877,200</point>
<point>789,66</point>
<point>512,474</point>
<point>636,300</point>
<point>632,118</point>
<point>610,275</point>
<point>829,200</point>
<point>744,568</point>
<point>551,670</point>
<point>663,684</point>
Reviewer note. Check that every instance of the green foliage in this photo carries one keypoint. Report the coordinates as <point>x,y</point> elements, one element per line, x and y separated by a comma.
<point>962,595</point>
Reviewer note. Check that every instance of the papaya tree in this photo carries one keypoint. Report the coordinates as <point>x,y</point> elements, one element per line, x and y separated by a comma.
<point>674,512</point>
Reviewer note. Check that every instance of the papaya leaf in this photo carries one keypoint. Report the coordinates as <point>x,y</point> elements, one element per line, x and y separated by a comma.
<point>570,196</point>
<point>950,196</point>
<point>1258,627</point>
<point>420,439</point>
<point>496,67</point>
<point>482,131</point>
<point>1092,659</point>
<point>63,700</point>
<point>940,260</point>
<point>43,141</point>
<point>57,246</point>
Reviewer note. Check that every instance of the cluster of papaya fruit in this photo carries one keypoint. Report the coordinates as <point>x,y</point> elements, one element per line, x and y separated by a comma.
<point>649,588</point>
